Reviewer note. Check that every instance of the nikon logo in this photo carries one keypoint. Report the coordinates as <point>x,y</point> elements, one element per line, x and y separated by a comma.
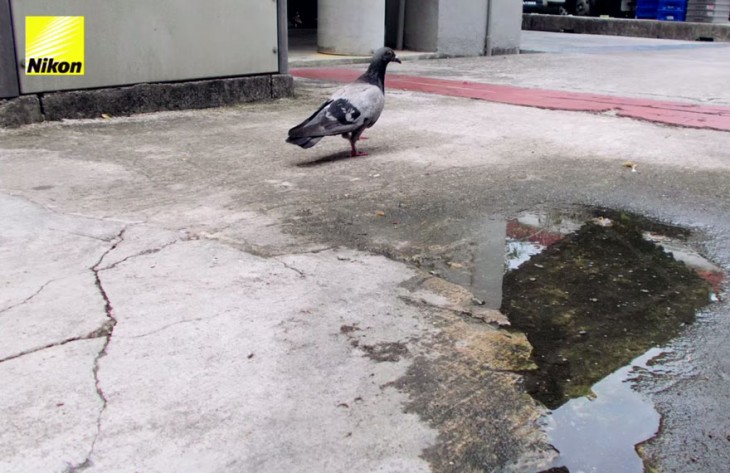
<point>50,66</point>
<point>54,45</point>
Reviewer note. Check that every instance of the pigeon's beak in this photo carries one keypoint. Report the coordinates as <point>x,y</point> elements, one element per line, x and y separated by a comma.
<point>395,59</point>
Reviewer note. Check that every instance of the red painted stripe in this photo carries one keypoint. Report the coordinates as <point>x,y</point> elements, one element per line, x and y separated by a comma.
<point>671,113</point>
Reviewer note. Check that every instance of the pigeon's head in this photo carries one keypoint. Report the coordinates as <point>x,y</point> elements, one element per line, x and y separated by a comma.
<point>385,56</point>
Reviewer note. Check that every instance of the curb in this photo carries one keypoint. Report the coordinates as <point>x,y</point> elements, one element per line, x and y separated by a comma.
<point>627,27</point>
<point>142,98</point>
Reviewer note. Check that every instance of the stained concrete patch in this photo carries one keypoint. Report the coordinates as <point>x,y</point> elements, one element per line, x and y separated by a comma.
<point>392,351</point>
<point>49,406</point>
<point>466,386</point>
<point>443,294</point>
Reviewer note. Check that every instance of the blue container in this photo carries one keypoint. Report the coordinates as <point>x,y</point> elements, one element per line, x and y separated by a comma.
<point>672,15</point>
<point>672,10</point>
<point>647,9</point>
<point>676,4</point>
<point>665,10</point>
<point>673,5</point>
<point>647,12</point>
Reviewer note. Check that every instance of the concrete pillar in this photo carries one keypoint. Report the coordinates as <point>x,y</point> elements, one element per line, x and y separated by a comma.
<point>350,27</point>
<point>422,23</point>
<point>462,27</point>
<point>504,28</point>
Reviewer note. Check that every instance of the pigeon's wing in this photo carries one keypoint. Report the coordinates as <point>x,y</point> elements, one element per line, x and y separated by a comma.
<point>352,107</point>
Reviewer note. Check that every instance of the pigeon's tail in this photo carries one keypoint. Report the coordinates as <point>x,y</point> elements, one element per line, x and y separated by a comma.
<point>304,141</point>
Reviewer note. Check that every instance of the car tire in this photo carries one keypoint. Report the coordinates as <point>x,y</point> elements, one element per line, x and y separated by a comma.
<point>581,7</point>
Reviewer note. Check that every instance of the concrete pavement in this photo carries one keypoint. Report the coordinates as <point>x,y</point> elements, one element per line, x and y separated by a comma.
<point>183,291</point>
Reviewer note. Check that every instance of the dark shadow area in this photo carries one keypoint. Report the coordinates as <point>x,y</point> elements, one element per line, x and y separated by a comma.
<point>330,158</point>
<point>302,14</point>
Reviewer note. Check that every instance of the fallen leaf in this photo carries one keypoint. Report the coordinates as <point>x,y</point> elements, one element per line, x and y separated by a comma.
<point>630,164</point>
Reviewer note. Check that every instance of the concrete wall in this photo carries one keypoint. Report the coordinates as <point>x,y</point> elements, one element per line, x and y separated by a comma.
<point>505,27</point>
<point>422,25</point>
<point>352,27</point>
<point>462,26</point>
<point>138,41</point>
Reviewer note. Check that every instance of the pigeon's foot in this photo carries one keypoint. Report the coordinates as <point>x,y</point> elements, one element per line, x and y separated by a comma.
<point>362,138</point>
<point>355,154</point>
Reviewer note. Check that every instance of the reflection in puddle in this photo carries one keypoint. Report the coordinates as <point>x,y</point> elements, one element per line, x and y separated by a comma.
<point>595,299</point>
<point>592,290</point>
<point>599,434</point>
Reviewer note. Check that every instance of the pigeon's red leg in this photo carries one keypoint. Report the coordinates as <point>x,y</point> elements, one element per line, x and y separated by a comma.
<point>353,139</point>
<point>354,152</point>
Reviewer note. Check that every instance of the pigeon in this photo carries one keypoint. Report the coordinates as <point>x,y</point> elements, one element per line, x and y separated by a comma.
<point>350,110</point>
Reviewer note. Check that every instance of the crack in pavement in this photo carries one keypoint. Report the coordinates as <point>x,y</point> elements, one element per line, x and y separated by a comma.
<point>27,299</point>
<point>149,251</point>
<point>301,273</point>
<point>179,322</point>
<point>111,323</point>
<point>107,332</point>
<point>102,331</point>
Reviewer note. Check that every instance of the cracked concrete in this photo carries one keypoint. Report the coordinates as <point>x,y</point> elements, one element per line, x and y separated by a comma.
<point>49,408</point>
<point>194,378</point>
<point>52,300</point>
<point>174,365</point>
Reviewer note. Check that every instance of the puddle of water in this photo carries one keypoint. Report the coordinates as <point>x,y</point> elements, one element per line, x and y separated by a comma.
<point>595,291</point>
<point>596,298</point>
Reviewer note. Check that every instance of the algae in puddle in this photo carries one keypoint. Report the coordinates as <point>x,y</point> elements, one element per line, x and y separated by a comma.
<point>595,300</point>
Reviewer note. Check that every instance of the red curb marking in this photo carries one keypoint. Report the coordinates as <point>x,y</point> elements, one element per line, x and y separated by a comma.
<point>671,113</point>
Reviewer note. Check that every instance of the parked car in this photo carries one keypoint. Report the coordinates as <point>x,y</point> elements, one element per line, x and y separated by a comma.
<point>580,7</point>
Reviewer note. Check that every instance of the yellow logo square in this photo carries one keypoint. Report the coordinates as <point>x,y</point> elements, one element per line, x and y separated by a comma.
<point>54,45</point>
